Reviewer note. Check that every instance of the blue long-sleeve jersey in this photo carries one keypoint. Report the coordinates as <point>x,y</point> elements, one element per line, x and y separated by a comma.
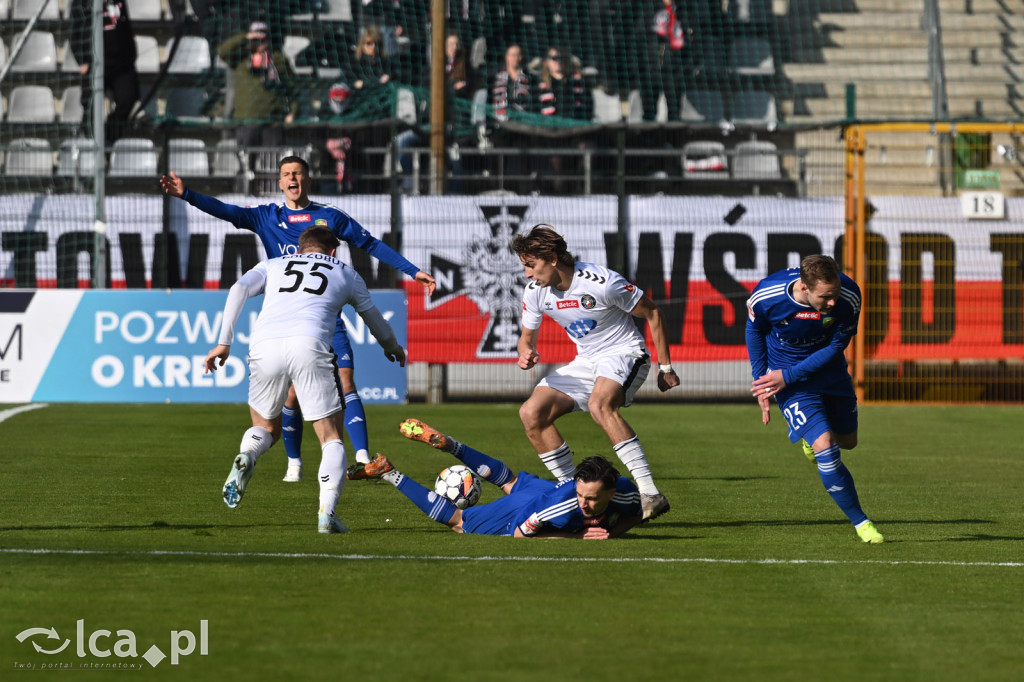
<point>278,227</point>
<point>806,345</point>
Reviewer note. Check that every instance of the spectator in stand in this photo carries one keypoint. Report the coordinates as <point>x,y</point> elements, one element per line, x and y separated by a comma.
<point>372,68</point>
<point>562,94</point>
<point>119,53</point>
<point>401,25</point>
<point>510,94</point>
<point>565,96</point>
<point>663,68</point>
<point>510,90</point>
<point>262,94</point>
<point>457,71</point>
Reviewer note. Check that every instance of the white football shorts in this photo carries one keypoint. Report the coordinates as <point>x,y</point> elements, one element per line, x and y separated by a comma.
<point>306,362</point>
<point>577,378</point>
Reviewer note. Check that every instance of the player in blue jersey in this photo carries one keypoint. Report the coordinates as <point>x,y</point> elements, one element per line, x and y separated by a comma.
<point>596,504</point>
<point>799,323</point>
<point>278,227</point>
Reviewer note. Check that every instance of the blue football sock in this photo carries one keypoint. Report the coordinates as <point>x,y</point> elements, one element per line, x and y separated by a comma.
<point>355,426</point>
<point>490,469</point>
<point>432,504</point>
<point>838,481</point>
<point>291,432</point>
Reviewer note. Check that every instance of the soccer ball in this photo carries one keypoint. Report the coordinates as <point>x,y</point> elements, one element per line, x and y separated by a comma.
<point>459,485</point>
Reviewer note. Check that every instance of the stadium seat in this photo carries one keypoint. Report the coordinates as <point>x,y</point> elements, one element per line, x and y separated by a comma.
<point>188,158</point>
<point>756,160</point>
<point>705,159</point>
<point>186,104</point>
<point>293,45</point>
<point>702,106</point>
<point>226,163</point>
<point>76,156</point>
<point>38,53</point>
<point>192,57</point>
<point>330,10</point>
<point>68,64</point>
<point>133,157</point>
<point>478,114</point>
<point>607,108</point>
<point>634,107</point>
<point>145,10</point>
<point>754,107</point>
<point>29,156</point>
<point>751,56</point>
<point>71,105</point>
<point>31,104</point>
<point>148,59</point>
<point>23,10</point>
<point>405,106</point>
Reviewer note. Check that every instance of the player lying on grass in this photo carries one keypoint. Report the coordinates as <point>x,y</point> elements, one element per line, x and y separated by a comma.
<point>595,504</point>
<point>290,344</point>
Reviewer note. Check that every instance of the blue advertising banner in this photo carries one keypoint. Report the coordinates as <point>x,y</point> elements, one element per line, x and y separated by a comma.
<point>149,346</point>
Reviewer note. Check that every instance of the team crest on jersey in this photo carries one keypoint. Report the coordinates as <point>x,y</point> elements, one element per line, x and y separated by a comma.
<point>588,301</point>
<point>320,221</point>
<point>299,218</point>
<point>562,305</point>
<point>808,316</point>
<point>628,287</point>
<point>827,322</point>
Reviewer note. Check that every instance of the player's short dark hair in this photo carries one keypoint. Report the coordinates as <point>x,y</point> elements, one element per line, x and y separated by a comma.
<point>317,238</point>
<point>597,468</point>
<point>544,243</point>
<point>294,159</point>
<point>814,269</point>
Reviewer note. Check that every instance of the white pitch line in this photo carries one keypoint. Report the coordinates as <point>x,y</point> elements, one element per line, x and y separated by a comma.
<point>7,414</point>
<point>403,557</point>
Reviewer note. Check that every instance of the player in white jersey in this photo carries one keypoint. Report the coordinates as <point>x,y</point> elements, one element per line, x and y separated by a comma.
<point>291,345</point>
<point>596,307</point>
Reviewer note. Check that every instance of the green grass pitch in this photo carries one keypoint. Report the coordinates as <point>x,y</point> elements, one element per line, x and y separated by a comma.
<point>112,514</point>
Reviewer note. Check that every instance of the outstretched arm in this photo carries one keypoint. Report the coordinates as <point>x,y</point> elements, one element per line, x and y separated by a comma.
<point>236,215</point>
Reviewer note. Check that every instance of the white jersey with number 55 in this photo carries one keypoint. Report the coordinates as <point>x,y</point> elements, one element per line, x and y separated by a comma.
<point>594,311</point>
<point>303,295</point>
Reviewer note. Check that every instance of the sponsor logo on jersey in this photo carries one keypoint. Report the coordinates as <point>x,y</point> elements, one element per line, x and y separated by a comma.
<point>588,301</point>
<point>580,328</point>
<point>299,218</point>
<point>562,305</point>
<point>320,221</point>
<point>524,306</point>
<point>807,316</point>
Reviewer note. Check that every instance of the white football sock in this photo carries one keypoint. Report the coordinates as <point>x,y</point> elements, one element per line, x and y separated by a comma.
<point>559,462</point>
<point>332,475</point>
<point>255,441</point>
<point>631,454</point>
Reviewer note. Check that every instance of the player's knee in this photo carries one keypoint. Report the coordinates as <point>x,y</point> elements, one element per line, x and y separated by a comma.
<point>847,441</point>
<point>529,415</point>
